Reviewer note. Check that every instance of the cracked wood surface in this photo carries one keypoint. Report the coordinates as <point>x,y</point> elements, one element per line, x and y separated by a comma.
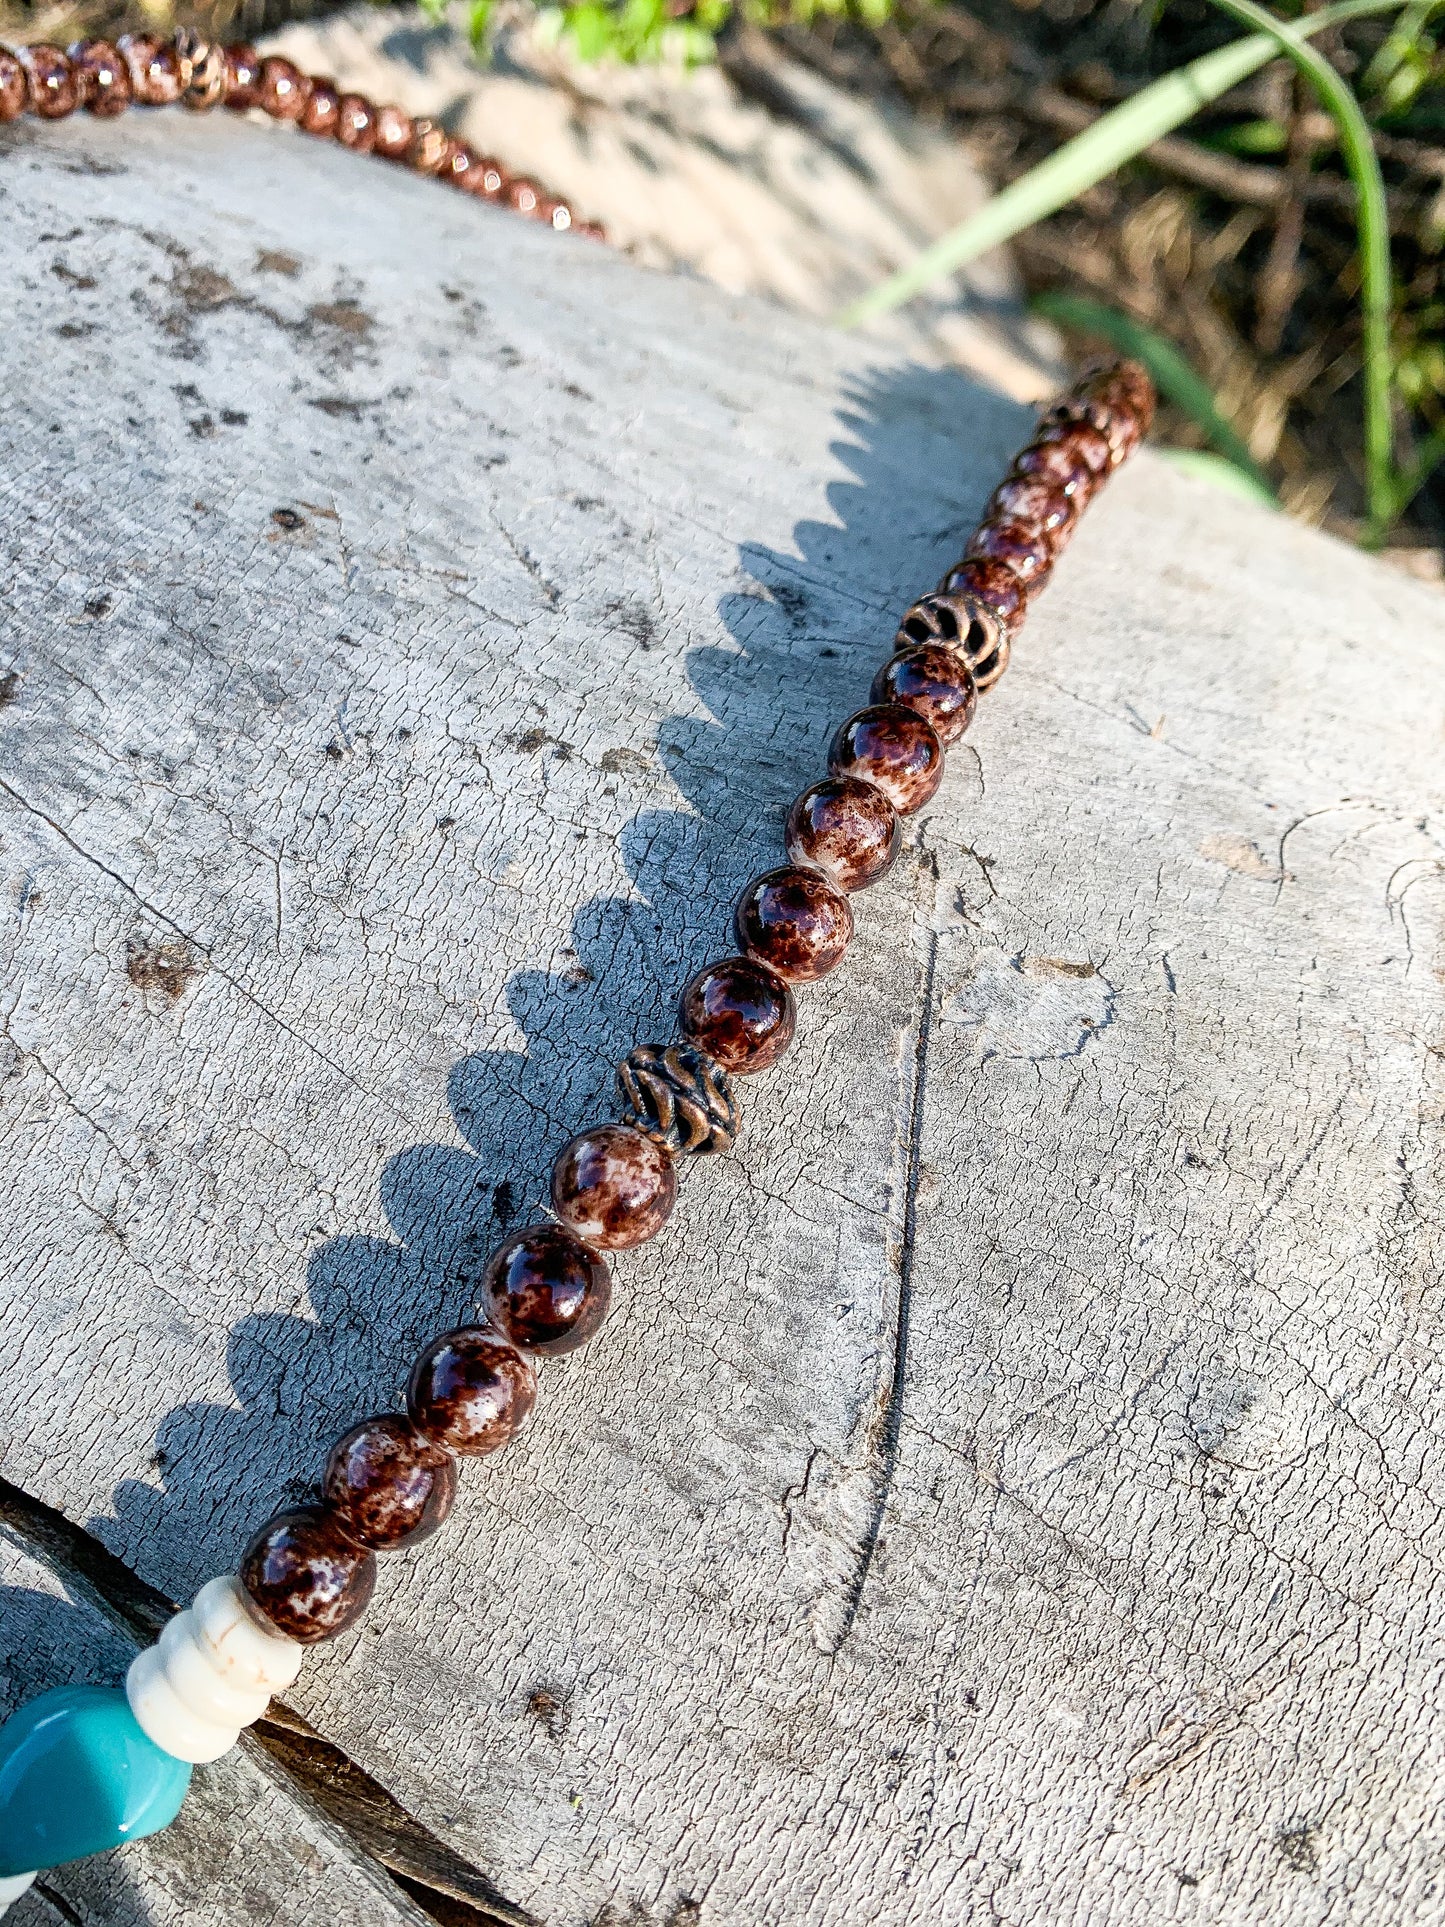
<point>1010,1488</point>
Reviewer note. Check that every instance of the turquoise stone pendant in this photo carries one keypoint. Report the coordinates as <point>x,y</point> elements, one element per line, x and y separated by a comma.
<point>77,1775</point>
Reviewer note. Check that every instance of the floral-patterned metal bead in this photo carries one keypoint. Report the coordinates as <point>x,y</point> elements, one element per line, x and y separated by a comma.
<point>155,71</point>
<point>387,1485</point>
<point>960,622</point>
<point>356,123</point>
<point>614,1186</point>
<point>14,86</point>
<point>54,87</point>
<point>547,1290</point>
<point>102,77</point>
<point>678,1095</point>
<point>741,1013</point>
<point>203,71</point>
<point>846,828</point>
<point>303,1576</point>
<point>894,747</point>
<point>430,147</point>
<point>393,134</point>
<point>992,583</point>
<point>321,115</point>
<point>933,680</point>
<point>796,922</point>
<point>282,89</point>
<point>471,1390</point>
<point>243,76</point>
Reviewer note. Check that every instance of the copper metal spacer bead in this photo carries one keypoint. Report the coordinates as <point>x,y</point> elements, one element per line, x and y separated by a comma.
<point>203,71</point>
<point>960,622</point>
<point>680,1097</point>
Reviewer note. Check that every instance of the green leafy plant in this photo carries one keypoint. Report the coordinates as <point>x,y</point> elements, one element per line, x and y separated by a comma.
<point>649,31</point>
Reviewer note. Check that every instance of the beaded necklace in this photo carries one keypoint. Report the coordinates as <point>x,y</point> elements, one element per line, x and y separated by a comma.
<point>84,1768</point>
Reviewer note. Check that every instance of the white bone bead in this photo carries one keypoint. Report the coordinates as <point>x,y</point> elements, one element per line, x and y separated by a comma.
<point>245,1654</point>
<point>212,1672</point>
<point>12,1885</point>
<point>191,1672</point>
<point>165,1716</point>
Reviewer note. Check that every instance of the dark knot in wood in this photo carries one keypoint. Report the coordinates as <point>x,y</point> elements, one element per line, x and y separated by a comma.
<point>679,1096</point>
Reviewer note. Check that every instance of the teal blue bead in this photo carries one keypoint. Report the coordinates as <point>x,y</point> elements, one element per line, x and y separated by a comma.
<point>78,1775</point>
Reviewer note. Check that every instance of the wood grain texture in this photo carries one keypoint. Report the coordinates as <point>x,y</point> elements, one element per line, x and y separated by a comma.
<point>1010,1488</point>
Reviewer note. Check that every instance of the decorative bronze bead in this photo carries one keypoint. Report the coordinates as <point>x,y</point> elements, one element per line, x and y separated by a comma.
<point>54,86</point>
<point>846,828</point>
<point>933,680</point>
<point>992,583</point>
<point>678,1095</point>
<point>356,123</point>
<point>302,1575</point>
<point>547,1291</point>
<point>155,73</point>
<point>1025,550</point>
<point>1037,504</point>
<point>203,71</point>
<point>282,89</point>
<point>393,134</point>
<point>614,1186</point>
<point>321,116</point>
<point>386,1485</point>
<point>243,76</point>
<point>471,1391</point>
<point>893,747</point>
<point>741,1013</point>
<point>430,147</point>
<point>796,922</point>
<point>102,77</point>
<point>961,622</point>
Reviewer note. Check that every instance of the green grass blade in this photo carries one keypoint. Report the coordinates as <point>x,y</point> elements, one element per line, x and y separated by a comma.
<point>1172,374</point>
<point>1115,138</point>
<point>1223,474</point>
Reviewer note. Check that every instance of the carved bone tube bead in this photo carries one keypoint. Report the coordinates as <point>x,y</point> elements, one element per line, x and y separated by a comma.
<point>681,1097</point>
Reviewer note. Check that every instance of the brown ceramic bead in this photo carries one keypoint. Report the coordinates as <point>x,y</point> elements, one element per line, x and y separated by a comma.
<point>1025,550</point>
<point>893,747</point>
<point>282,89</point>
<point>1036,503</point>
<point>933,680</point>
<point>546,1290</point>
<point>430,147</point>
<point>1111,417</point>
<point>461,161</point>
<point>154,70</point>
<point>321,114</point>
<point>243,76</point>
<point>102,77</point>
<point>1059,464</point>
<point>993,583</point>
<point>471,1391</point>
<point>962,623</point>
<point>563,218</point>
<point>847,828</point>
<point>14,87</point>
<point>54,86</point>
<point>1126,382</point>
<point>614,1186</point>
<point>386,1485</point>
<point>795,921</point>
<point>740,1013</point>
<point>393,134</point>
<point>1084,443</point>
<point>355,123</point>
<point>304,1577</point>
<point>486,178</point>
<point>522,196</point>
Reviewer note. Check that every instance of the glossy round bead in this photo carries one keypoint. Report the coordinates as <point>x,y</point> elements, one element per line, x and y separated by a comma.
<point>741,1013</point>
<point>522,196</point>
<point>154,70</point>
<point>461,161</point>
<point>895,748</point>
<point>1036,503</point>
<point>1112,418</point>
<point>546,1290</point>
<point>795,921</point>
<point>1083,443</point>
<point>934,681</point>
<point>393,134</point>
<point>14,86</point>
<point>54,86</point>
<point>102,77</point>
<point>1061,466</point>
<point>282,89</point>
<point>992,583</point>
<point>321,114</point>
<point>302,1575</point>
<point>614,1186</point>
<point>962,623</point>
<point>1027,551</point>
<point>847,828</point>
<point>430,147</point>
<point>471,1391</point>
<point>243,76</point>
<point>486,178</point>
<point>387,1485</point>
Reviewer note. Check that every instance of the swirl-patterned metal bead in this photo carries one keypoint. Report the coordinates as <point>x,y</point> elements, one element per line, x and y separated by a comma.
<point>681,1097</point>
<point>203,71</point>
<point>962,622</point>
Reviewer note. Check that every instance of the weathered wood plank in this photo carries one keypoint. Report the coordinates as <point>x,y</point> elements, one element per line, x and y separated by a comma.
<point>1011,1483</point>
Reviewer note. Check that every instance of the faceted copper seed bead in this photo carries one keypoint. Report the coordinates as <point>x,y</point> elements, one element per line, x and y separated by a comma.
<point>282,89</point>
<point>14,87</point>
<point>243,76</point>
<point>964,623</point>
<point>895,748</point>
<point>846,828</point>
<point>1025,550</point>
<point>614,1186</point>
<point>155,72</point>
<point>54,87</point>
<point>321,115</point>
<point>430,146</point>
<point>740,1013</point>
<point>356,123</point>
<point>1037,503</point>
<point>393,134</point>
<point>933,680</point>
<point>680,1097</point>
<point>471,1391</point>
<point>386,1485</point>
<point>546,1290</point>
<point>102,77</point>
<point>203,71</point>
<point>795,921</point>
<point>304,1577</point>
